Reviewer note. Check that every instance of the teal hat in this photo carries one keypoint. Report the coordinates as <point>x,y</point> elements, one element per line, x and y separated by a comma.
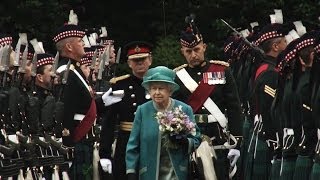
<point>160,74</point>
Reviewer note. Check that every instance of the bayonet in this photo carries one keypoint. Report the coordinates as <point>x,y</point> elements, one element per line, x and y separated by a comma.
<point>118,55</point>
<point>34,65</point>
<point>94,59</point>
<point>66,73</point>
<point>105,57</point>
<point>117,61</point>
<point>244,39</point>
<point>17,53</point>
<point>55,64</point>
<point>24,60</point>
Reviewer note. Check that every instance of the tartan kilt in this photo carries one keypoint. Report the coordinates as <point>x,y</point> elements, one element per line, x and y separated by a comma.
<point>302,167</point>
<point>275,169</point>
<point>288,167</point>
<point>81,168</point>
<point>258,167</point>
<point>244,146</point>
<point>315,172</point>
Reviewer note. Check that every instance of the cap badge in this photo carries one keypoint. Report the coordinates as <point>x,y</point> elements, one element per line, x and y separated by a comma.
<point>137,49</point>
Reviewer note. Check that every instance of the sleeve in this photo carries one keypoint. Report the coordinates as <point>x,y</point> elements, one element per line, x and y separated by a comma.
<point>133,145</point>
<point>266,97</point>
<point>109,121</point>
<point>232,104</point>
<point>193,140</point>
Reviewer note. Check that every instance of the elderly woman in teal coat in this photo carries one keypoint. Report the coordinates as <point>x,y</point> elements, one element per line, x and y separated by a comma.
<point>148,156</point>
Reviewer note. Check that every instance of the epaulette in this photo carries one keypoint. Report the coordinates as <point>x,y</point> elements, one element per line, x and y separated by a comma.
<point>180,67</point>
<point>116,79</point>
<point>220,63</point>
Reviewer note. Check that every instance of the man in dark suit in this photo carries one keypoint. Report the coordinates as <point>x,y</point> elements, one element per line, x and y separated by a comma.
<point>139,60</point>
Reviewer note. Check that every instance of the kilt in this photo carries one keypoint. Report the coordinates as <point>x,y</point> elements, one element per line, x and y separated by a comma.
<point>288,167</point>
<point>275,169</point>
<point>258,167</point>
<point>315,172</point>
<point>81,168</point>
<point>244,147</point>
<point>302,167</point>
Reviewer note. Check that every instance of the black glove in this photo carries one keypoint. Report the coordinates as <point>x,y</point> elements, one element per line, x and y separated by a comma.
<point>132,176</point>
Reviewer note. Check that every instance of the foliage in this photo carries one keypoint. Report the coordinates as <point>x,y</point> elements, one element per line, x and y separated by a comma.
<point>158,22</point>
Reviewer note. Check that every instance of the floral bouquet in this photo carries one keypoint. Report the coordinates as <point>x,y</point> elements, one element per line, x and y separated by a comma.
<point>175,123</point>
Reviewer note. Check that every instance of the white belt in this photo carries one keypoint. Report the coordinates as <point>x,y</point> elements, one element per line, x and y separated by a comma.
<point>78,117</point>
<point>211,119</point>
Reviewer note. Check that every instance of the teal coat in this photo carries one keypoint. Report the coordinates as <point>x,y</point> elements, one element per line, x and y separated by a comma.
<point>144,145</point>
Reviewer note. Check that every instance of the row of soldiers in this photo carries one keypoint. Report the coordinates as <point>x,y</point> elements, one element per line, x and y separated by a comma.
<point>276,70</point>
<point>36,139</point>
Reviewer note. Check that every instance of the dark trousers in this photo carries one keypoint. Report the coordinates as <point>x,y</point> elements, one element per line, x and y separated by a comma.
<point>221,164</point>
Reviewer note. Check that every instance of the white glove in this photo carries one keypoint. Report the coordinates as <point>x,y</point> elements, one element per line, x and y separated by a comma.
<point>106,165</point>
<point>233,156</point>
<point>110,99</point>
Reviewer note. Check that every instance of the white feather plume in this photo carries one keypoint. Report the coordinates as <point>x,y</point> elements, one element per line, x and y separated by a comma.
<point>254,24</point>
<point>86,41</point>
<point>92,41</point>
<point>301,30</point>
<point>245,33</point>
<point>24,38</point>
<point>36,46</point>
<point>278,16</point>
<point>41,47</point>
<point>104,32</point>
<point>272,18</point>
<point>73,18</point>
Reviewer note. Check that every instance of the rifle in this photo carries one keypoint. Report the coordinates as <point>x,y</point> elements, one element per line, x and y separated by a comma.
<point>117,61</point>
<point>245,40</point>
<point>92,66</point>
<point>105,57</point>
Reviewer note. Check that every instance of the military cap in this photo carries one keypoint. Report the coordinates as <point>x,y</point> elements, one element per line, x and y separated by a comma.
<point>270,31</point>
<point>308,39</point>
<point>44,59</point>
<point>71,29</point>
<point>191,36</point>
<point>5,39</point>
<point>138,49</point>
<point>287,55</point>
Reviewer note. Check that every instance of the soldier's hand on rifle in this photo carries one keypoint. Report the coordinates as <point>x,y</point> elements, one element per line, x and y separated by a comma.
<point>109,99</point>
<point>106,165</point>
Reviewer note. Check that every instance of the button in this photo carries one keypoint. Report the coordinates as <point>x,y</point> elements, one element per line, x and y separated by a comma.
<point>202,108</point>
<point>133,95</point>
<point>130,87</point>
<point>147,96</point>
<point>134,113</point>
<point>264,133</point>
<point>134,104</point>
<point>304,147</point>
<point>199,73</point>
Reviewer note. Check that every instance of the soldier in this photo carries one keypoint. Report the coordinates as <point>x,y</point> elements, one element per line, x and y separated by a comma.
<point>139,60</point>
<point>80,108</point>
<point>304,127</point>
<point>210,89</point>
<point>264,83</point>
<point>315,97</point>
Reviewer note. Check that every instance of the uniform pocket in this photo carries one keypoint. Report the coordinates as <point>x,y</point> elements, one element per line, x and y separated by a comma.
<point>183,168</point>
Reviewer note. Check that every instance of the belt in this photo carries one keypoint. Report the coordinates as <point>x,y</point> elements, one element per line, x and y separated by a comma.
<point>125,125</point>
<point>204,118</point>
<point>78,117</point>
